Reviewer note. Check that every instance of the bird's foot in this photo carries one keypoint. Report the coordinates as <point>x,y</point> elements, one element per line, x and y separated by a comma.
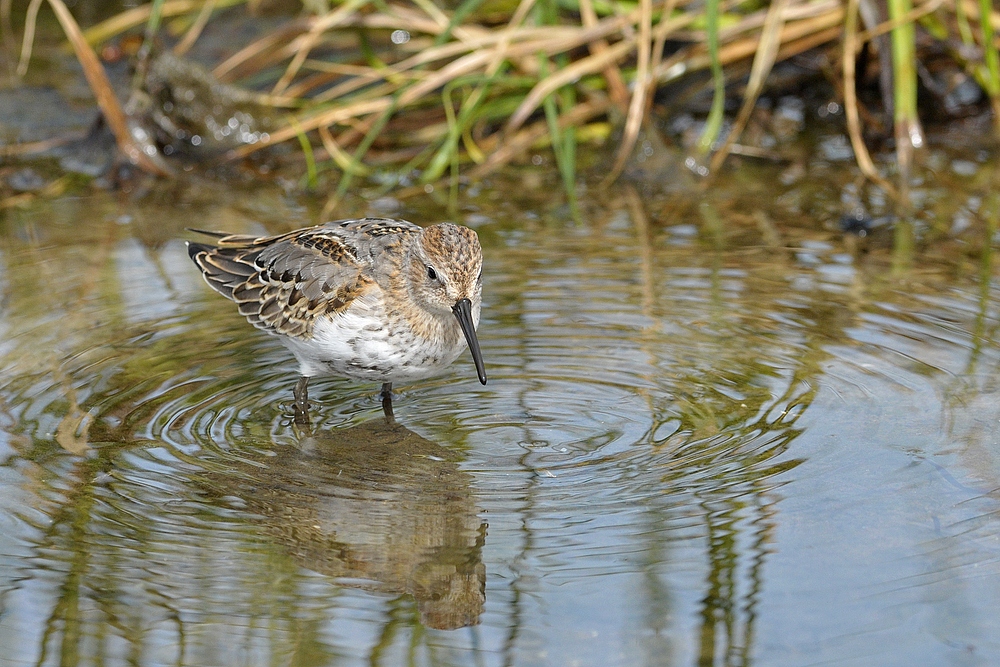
<point>386,395</point>
<point>300,409</point>
<point>300,414</point>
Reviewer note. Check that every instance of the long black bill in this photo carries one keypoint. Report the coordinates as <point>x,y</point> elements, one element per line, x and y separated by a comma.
<point>463,312</point>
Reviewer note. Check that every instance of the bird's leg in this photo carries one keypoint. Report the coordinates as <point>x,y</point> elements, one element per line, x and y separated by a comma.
<point>301,394</point>
<point>386,395</point>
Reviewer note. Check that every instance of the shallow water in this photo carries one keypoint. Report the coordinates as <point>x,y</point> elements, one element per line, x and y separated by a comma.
<point>704,441</point>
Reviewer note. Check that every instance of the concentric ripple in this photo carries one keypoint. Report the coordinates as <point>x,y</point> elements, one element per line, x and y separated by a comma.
<point>685,446</point>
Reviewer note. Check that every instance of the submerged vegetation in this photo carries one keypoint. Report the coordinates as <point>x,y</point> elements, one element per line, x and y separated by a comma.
<point>416,91</point>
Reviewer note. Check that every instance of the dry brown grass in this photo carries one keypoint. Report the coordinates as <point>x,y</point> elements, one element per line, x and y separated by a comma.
<point>476,91</point>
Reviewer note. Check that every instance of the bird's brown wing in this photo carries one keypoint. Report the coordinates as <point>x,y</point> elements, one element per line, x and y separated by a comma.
<point>283,283</point>
<point>373,228</point>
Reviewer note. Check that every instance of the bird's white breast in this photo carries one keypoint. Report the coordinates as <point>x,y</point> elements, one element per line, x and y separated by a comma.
<point>366,343</point>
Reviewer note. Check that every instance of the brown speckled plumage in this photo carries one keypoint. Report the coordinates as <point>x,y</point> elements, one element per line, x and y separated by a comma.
<point>372,299</point>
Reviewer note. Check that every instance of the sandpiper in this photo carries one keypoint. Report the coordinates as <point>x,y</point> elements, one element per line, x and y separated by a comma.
<point>374,299</point>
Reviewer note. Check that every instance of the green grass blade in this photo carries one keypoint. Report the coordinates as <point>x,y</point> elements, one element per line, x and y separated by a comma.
<point>909,135</point>
<point>366,143</point>
<point>992,78</point>
<point>962,19</point>
<point>903,62</point>
<point>563,142</point>
<point>713,125</point>
<point>155,17</point>
<point>460,15</point>
<point>447,154</point>
<point>152,26</point>
<point>567,167</point>
<point>307,151</point>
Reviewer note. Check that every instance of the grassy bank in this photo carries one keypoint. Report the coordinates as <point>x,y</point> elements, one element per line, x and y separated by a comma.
<point>413,87</point>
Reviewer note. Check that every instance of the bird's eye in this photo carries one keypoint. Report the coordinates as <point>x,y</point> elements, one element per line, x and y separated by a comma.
<point>431,273</point>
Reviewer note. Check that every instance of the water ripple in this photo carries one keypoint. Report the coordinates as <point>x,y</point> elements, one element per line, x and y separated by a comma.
<point>664,422</point>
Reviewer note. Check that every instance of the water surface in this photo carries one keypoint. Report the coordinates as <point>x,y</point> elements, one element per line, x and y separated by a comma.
<point>707,440</point>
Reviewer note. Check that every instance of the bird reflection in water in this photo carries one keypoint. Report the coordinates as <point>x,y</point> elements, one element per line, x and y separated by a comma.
<point>378,507</point>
